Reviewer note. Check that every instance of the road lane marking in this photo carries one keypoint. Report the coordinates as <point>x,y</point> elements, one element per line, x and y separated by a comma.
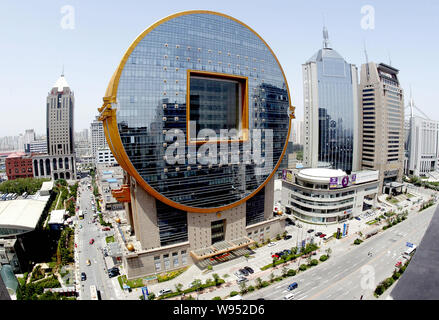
<point>369,262</point>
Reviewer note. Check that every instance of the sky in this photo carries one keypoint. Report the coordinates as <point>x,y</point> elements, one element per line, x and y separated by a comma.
<point>89,37</point>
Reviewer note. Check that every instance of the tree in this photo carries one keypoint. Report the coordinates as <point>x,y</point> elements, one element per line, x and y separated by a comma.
<point>216,278</point>
<point>328,252</point>
<point>258,282</point>
<point>178,287</point>
<point>272,277</point>
<point>284,271</point>
<point>243,287</point>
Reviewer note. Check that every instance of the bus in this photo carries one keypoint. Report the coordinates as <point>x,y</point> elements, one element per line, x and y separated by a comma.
<point>80,214</point>
<point>93,293</point>
<point>410,251</point>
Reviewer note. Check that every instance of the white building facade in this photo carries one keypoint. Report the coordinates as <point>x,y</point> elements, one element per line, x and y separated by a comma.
<point>327,196</point>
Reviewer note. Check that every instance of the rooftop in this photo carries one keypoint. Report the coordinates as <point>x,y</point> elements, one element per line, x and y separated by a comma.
<point>321,173</point>
<point>22,215</point>
<point>61,83</point>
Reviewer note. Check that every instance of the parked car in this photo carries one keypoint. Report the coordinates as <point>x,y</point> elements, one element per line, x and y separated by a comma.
<point>249,269</point>
<point>398,264</point>
<point>239,273</point>
<point>358,218</point>
<point>287,251</point>
<point>92,241</point>
<point>88,262</point>
<point>106,229</point>
<point>83,276</point>
<point>272,244</point>
<point>244,272</point>
<point>241,279</point>
<point>164,291</point>
<point>288,236</point>
<point>310,230</point>
<point>318,234</point>
<point>322,235</point>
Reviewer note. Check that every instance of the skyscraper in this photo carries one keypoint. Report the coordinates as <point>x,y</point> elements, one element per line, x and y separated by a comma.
<point>98,140</point>
<point>60,161</point>
<point>382,123</point>
<point>331,110</point>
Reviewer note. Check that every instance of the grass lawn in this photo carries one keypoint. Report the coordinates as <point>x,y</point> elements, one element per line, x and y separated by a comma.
<point>371,222</point>
<point>134,283</point>
<point>109,239</point>
<point>392,200</point>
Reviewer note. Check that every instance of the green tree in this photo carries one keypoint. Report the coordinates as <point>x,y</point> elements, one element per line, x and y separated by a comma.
<point>216,278</point>
<point>328,252</point>
<point>258,282</point>
<point>178,287</point>
<point>272,277</point>
<point>243,287</point>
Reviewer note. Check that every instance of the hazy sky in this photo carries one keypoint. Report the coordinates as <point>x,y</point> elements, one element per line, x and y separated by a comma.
<point>34,45</point>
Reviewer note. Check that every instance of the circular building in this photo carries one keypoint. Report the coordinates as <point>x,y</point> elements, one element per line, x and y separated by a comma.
<point>198,115</point>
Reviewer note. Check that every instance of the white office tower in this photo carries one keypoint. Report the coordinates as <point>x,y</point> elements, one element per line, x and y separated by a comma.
<point>98,140</point>
<point>422,147</point>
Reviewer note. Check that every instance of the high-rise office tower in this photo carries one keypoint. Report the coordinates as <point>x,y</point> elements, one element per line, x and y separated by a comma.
<point>60,160</point>
<point>421,144</point>
<point>98,140</point>
<point>331,110</point>
<point>382,123</point>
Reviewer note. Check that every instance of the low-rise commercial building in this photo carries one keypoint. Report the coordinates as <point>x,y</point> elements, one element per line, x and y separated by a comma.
<point>327,196</point>
<point>19,165</point>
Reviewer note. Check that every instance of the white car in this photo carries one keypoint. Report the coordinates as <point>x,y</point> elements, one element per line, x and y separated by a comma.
<point>272,244</point>
<point>164,291</point>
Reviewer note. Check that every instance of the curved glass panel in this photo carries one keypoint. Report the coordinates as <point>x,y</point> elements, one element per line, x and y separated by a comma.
<point>151,102</point>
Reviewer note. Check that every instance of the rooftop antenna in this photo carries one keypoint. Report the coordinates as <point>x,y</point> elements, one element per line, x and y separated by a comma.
<point>325,35</point>
<point>367,62</point>
<point>390,58</point>
<point>62,74</point>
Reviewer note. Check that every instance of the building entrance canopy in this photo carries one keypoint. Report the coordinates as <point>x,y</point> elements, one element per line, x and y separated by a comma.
<point>222,251</point>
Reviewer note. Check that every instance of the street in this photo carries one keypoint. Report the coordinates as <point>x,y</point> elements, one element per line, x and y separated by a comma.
<point>96,273</point>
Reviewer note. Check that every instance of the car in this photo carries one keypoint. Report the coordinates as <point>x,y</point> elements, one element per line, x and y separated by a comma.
<point>164,291</point>
<point>106,229</point>
<point>113,274</point>
<point>292,286</point>
<point>310,230</point>
<point>92,241</point>
<point>289,296</point>
<point>299,225</point>
<point>83,276</point>
<point>241,279</point>
<point>409,200</point>
<point>275,256</point>
<point>322,235</point>
<point>398,264</point>
<point>318,234</point>
<point>272,244</point>
<point>88,262</point>
<point>239,274</point>
<point>244,272</point>
<point>358,218</point>
<point>287,251</point>
<point>249,269</point>
<point>287,237</point>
